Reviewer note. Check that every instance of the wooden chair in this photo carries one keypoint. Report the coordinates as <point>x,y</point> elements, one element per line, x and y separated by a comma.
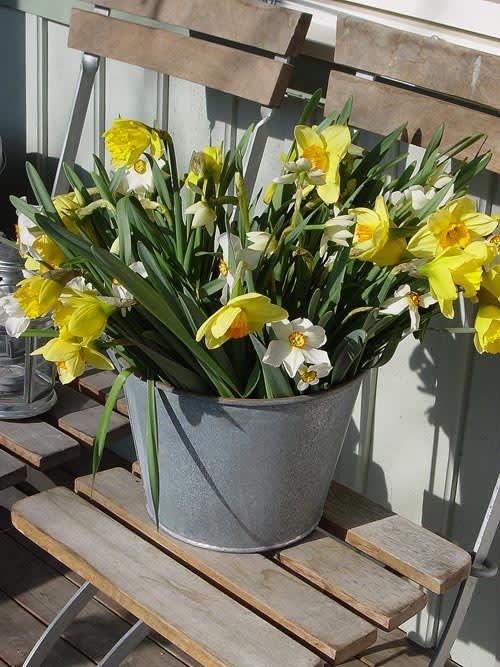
<point>241,48</point>
<point>422,81</point>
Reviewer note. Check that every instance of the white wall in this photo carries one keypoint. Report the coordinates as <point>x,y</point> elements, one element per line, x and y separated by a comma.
<point>435,450</point>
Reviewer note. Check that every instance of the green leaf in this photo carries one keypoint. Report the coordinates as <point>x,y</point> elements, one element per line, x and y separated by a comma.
<point>348,355</point>
<point>23,207</point>
<point>152,449</point>
<point>253,380</point>
<point>310,107</point>
<point>40,191</point>
<point>102,429</point>
<point>125,238</point>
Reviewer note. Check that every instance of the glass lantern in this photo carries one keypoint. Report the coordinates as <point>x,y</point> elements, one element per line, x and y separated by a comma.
<point>26,382</point>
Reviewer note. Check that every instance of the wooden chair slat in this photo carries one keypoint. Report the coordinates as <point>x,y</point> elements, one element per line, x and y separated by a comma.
<point>423,61</point>
<point>12,471</point>
<point>274,29</point>
<point>80,415</point>
<point>97,384</point>
<point>365,586</point>
<point>380,108</point>
<point>38,443</point>
<point>307,613</point>
<point>404,546</point>
<point>208,625</point>
<point>253,77</point>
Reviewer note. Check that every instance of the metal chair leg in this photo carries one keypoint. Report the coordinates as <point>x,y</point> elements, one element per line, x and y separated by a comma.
<point>59,625</point>
<point>481,568</point>
<point>125,645</point>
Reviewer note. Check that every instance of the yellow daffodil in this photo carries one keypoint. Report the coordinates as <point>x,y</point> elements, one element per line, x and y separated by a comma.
<point>239,317</point>
<point>205,164</point>
<point>455,225</point>
<point>71,355</point>
<point>490,287</point>
<point>372,240</point>
<point>324,150</point>
<point>487,326</point>
<point>82,314</point>
<point>126,140</point>
<point>456,268</point>
<point>38,295</point>
<point>48,251</point>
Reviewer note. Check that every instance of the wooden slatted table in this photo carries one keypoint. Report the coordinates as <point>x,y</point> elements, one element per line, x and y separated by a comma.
<point>319,602</point>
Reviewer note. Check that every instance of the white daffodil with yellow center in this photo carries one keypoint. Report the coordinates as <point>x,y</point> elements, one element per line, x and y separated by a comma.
<point>308,376</point>
<point>12,316</point>
<point>312,175</point>
<point>296,343</point>
<point>262,242</point>
<point>406,299</point>
<point>138,177</point>
<point>203,216</point>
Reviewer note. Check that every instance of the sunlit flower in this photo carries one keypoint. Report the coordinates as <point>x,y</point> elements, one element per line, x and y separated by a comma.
<point>455,225</point>
<point>82,314</point>
<point>420,195</point>
<point>372,240</point>
<point>205,164</point>
<point>38,295</point>
<point>487,326</point>
<point>203,216</point>
<point>71,355</point>
<point>296,343</point>
<point>324,150</point>
<point>126,140</point>
<point>262,242</point>
<point>239,317</point>
<point>336,231</point>
<point>406,299</point>
<point>308,376</point>
<point>12,316</point>
<point>138,177</point>
<point>312,175</point>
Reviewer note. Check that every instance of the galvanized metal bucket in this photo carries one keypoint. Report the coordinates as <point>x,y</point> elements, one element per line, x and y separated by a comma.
<point>242,475</point>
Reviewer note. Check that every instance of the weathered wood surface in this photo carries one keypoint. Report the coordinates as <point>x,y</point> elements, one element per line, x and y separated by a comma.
<point>43,592</point>
<point>79,416</point>
<point>404,546</point>
<point>198,618</point>
<point>256,580</point>
<point>12,471</point>
<point>98,384</point>
<point>380,108</point>
<point>253,77</point>
<point>38,443</point>
<point>19,631</point>
<point>365,586</point>
<point>427,62</point>
<point>268,28</point>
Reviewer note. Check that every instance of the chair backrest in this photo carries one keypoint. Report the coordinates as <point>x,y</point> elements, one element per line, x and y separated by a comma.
<point>239,47</point>
<point>422,80</point>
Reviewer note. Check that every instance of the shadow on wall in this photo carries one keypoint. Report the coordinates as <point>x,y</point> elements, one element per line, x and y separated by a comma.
<point>12,112</point>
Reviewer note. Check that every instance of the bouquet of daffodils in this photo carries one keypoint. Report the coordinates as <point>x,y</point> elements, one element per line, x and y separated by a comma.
<point>191,283</point>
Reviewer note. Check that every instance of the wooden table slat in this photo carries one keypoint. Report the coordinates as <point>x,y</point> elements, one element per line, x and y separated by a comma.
<point>79,416</point>
<point>279,595</point>
<point>419,554</point>
<point>198,618</point>
<point>12,471</point>
<point>38,443</point>
<point>97,384</point>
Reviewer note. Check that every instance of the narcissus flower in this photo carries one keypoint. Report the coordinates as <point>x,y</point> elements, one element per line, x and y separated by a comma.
<point>138,177</point>
<point>12,316</point>
<point>455,225</point>
<point>296,343</point>
<point>82,314</point>
<point>406,299</point>
<point>372,240</point>
<point>203,216</point>
<point>37,295</point>
<point>336,231</point>
<point>487,325</point>
<point>205,164</point>
<point>308,376</point>
<point>71,355</point>
<point>239,317</point>
<point>126,140</point>
<point>234,255</point>
<point>324,150</point>
<point>262,242</point>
